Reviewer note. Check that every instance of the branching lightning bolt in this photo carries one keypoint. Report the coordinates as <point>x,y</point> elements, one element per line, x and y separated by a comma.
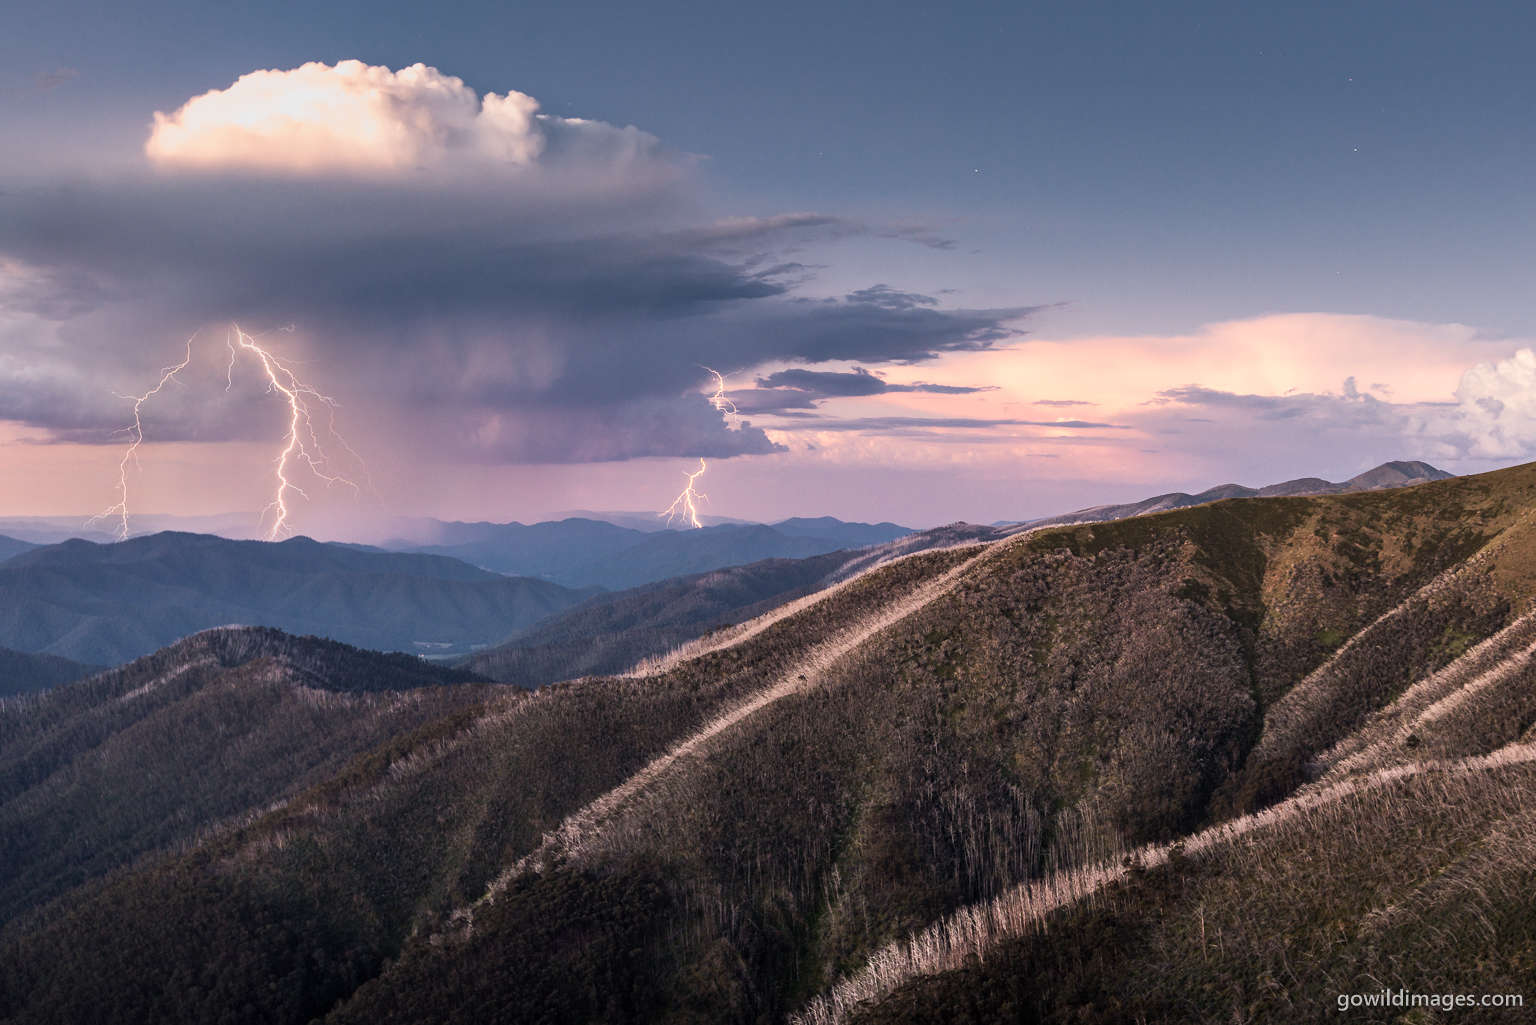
<point>281,379</point>
<point>721,401</point>
<point>301,443</point>
<point>685,505</point>
<point>120,510</point>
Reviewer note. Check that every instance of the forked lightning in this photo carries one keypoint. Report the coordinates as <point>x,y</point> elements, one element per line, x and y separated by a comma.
<point>686,504</point>
<point>301,443</point>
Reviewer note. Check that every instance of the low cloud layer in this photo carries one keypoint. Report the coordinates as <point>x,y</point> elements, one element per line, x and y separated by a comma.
<point>800,389</point>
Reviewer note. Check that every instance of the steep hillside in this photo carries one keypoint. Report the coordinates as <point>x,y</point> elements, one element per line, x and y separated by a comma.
<point>109,603</point>
<point>1238,759</point>
<point>221,724</point>
<point>612,632</point>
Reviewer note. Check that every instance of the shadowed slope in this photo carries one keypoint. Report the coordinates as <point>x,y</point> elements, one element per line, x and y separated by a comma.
<point>223,723</point>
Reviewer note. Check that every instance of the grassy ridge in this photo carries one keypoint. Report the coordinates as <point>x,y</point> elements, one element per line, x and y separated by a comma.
<point>1076,692</point>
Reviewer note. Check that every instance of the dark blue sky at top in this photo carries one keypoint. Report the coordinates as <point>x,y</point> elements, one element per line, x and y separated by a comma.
<point>1154,166</point>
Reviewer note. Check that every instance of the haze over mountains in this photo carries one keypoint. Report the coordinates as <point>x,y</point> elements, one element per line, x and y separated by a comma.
<point>102,604</point>
<point>23,672</point>
<point>106,604</point>
<point>1011,779</point>
<point>580,552</point>
<point>10,546</point>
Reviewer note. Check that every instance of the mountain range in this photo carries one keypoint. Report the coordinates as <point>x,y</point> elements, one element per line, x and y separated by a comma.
<point>10,547</point>
<point>23,673</point>
<point>579,552</point>
<point>105,604</point>
<point>1394,474</point>
<point>1224,762</point>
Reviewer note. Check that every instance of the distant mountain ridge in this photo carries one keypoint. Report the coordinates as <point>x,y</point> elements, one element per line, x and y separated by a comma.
<point>24,673</point>
<point>1395,474</point>
<point>105,604</point>
<point>581,552</point>
<point>11,547</point>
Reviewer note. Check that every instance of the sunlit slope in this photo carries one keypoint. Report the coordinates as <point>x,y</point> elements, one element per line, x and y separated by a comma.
<point>737,830</point>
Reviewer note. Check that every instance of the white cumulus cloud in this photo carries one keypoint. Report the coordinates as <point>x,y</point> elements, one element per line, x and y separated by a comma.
<point>355,119</point>
<point>1495,413</point>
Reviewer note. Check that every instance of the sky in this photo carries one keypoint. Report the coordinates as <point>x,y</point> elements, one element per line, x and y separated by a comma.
<point>980,261</point>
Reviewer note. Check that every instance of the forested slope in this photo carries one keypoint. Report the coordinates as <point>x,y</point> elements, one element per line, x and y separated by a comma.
<point>835,811</point>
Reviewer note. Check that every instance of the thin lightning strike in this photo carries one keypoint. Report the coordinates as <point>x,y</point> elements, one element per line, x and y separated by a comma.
<point>120,510</point>
<point>301,444</point>
<point>281,379</point>
<point>720,400</point>
<point>686,503</point>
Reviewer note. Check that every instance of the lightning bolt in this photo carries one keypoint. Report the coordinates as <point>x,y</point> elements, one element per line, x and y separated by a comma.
<point>301,443</point>
<point>685,505</point>
<point>136,429</point>
<point>721,401</point>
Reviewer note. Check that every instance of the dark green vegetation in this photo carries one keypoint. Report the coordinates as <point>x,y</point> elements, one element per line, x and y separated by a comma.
<point>591,553</point>
<point>743,829</point>
<point>612,632</point>
<point>21,673</point>
<point>105,604</point>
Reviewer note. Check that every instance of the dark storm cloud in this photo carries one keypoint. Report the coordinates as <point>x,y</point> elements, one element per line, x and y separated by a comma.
<point>799,388</point>
<point>500,319</point>
<point>889,424</point>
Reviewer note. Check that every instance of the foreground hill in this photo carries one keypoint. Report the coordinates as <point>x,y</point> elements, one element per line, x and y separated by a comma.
<point>106,604</point>
<point>1230,761</point>
<point>579,552</point>
<point>227,721</point>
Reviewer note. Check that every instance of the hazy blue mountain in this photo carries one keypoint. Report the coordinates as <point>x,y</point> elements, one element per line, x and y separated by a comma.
<point>23,673</point>
<point>677,552</point>
<point>580,552</point>
<point>105,604</point>
<point>10,546</point>
<point>848,535</point>
<point>546,549</point>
